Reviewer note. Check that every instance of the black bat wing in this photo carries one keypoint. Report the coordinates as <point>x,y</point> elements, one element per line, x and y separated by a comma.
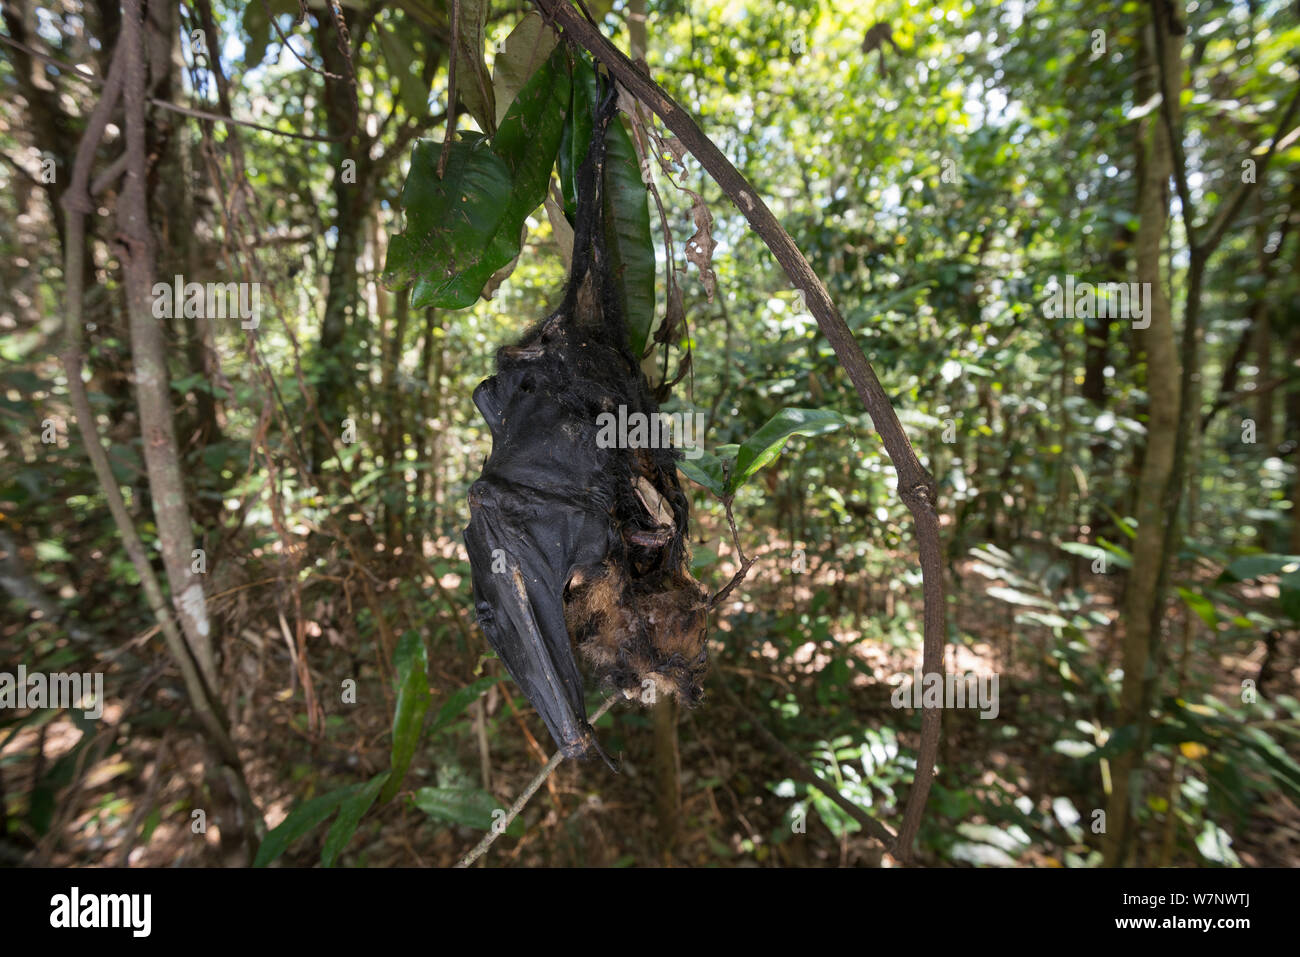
<point>536,515</point>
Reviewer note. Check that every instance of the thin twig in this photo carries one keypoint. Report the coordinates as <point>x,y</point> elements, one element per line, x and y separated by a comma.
<point>87,77</point>
<point>288,46</point>
<point>452,60</point>
<point>745,563</point>
<point>499,827</point>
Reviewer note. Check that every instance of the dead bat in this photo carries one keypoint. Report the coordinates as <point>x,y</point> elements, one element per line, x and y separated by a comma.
<point>571,544</point>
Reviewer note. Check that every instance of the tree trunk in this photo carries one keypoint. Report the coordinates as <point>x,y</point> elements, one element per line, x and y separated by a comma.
<point>1142,599</point>
<point>394,424</point>
<point>337,353</point>
<point>668,773</point>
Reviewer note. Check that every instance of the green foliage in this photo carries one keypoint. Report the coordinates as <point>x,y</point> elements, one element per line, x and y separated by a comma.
<point>731,467</point>
<point>627,226</point>
<point>462,228</point>
<point>352,802</point>
<point>412,665</point>
<point>304,818</point>
<point>937,186</point>
<point>468,806</point>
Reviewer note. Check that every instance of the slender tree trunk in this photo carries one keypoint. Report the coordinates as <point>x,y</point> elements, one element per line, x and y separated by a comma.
<point>1293,432</point>
<point>337,353</point>
<point>394,422</point>
<point>442,419</point>
<point>1261,344</point>
<point>668,770</point>
<point>1142,599</point>
<point>152,382</point>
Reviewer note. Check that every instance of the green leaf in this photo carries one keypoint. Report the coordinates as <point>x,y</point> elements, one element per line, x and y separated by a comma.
<point>399,55</point>
<point>1253,566</point>
<point>464,227</point>
<point>258,27</point>
<point>458,701</point>
<point>707,470</point>
<point>411,662</point>
<point>1215,844</point>
<point>301,819</point>
<point>473,82</point>
<point>447,220</point>
<point>1289,584</point>
<point>628,238</point>
<point>472,807</point>
<point>527,47</point>
<point>765,445</point>
<point>1016,597</point>
<point>1119,555</point>
<point>1203,607</point>
<point>576,134</point>
<point>1083,550</point>
<point>1074,749</point>
<point>350,813</point>
<point>703,558</point>
<point>397,52</point>
<point>628,242</point>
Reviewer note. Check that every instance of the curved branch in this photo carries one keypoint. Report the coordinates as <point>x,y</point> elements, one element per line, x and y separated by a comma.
<point>916,487</point>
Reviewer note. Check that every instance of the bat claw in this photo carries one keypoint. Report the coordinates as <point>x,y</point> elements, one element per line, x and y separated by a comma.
<point>609,762</point>
<point>587,743</point>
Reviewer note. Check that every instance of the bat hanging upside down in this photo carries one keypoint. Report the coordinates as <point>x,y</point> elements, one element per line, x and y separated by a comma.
<point>573,545</point>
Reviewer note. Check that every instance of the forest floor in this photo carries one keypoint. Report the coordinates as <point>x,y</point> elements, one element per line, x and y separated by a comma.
<point>136,803</point>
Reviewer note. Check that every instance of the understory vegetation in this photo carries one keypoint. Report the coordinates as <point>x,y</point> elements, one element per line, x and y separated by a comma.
<point>252,526</point>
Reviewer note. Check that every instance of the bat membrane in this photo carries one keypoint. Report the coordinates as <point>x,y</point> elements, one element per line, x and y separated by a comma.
<point>578,552</point>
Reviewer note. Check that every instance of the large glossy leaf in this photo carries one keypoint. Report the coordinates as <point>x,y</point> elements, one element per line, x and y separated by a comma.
<point>412,664</point>
<point>575,136</point>
<point>765,445</point>
<point>627,235</point>
<point>447,220</point>
<point>469,806</point>
<point>464,227</point>
<point>628,239</point>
